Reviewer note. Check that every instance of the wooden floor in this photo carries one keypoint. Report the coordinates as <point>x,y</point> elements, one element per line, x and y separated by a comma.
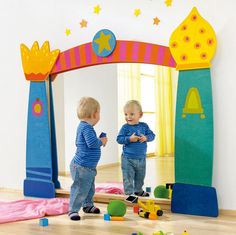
<point>94,224</point>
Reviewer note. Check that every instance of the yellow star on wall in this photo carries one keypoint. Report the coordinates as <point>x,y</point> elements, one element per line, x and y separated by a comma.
<point>68,32</point>
<point>97,9</point>
<point>168,3</point>
<point>156,21</point>
<point>137,12</point>
<point>83,23</point>
<point>103,42</point>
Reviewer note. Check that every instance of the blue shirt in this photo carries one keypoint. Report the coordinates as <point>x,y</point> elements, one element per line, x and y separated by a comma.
<point>135,150</point>
<point>88,150</point>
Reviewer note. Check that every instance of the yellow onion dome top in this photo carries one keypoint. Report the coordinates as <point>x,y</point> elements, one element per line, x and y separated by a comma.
<point>193,43</point>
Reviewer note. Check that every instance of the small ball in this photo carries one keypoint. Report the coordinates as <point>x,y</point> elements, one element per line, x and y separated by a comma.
<point>116,208</point>
<point>161,192</point>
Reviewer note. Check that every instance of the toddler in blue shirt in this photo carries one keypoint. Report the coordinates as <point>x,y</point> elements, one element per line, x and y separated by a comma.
<point>83,165</point>
<point>134,136</point>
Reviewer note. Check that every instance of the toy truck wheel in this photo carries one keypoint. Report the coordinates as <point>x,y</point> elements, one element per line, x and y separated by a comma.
<point>160,212</point>
<point>146,215</point>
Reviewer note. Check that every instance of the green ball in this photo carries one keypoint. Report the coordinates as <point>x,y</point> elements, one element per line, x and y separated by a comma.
<point>161,192</point>
<point>116,208</point>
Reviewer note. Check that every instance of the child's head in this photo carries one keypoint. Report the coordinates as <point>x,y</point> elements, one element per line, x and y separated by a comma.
<point>133,112</point>
<point>88,110</point>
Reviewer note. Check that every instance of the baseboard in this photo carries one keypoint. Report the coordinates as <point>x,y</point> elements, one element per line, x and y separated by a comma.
<point>227,212</point>
<point>104,166</point>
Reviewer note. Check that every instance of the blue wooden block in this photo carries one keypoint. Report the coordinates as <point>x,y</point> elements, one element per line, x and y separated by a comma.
<point>43,222</point>
<point>107,217</point>
<point>194,200</point>
<point>102,135</point>
<point>148,189</point>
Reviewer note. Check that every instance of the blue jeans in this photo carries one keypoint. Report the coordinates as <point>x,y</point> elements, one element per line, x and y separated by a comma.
<point>134,171</point>
<point>83,187</point>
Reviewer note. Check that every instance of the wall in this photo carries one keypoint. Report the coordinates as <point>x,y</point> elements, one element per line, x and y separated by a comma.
<point>26,21</point>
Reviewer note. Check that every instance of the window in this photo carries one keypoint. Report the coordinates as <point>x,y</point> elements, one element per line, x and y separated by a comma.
<point>155,87</point>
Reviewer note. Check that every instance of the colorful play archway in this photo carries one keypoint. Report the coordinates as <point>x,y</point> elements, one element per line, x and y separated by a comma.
<point>41,159</point>
<point>193,135</point>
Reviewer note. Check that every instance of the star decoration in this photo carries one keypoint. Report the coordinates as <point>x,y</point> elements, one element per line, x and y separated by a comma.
<point>68,32</point>
<point>103,42</point>
<point>97,9</point>
<point>83,24</point>
<point>137,12</point>
<point>168,3</point>
<point>156,21</point>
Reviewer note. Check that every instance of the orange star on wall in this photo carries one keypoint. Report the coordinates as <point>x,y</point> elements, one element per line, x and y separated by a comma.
<point>83,23</point>
<point>156,21</point>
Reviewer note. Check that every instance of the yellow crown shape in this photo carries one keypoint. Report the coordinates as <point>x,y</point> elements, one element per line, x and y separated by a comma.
<point>38,63</point>
<point>193,43</point>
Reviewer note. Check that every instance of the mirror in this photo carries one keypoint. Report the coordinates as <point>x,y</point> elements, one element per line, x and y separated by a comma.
<point>112,86</point>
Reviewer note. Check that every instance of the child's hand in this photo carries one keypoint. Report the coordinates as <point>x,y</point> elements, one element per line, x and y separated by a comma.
<point>104,141</point>
<point>134,138</point>
<point>142,138</point>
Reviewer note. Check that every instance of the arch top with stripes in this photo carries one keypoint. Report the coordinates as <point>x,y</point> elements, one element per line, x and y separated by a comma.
<point>124,52</point>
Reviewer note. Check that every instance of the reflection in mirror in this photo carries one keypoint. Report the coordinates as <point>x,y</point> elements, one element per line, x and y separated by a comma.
<point>112,85</point>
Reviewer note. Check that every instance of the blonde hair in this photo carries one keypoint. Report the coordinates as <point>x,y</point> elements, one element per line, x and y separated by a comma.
<point>87,106</point>
<point>132,103</point>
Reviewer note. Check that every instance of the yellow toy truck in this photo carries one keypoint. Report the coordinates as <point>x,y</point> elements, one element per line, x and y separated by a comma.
<point>149,210</point>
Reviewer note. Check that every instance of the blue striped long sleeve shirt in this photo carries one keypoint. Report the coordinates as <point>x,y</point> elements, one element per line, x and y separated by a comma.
<point>134,149</point>
<point>88,150</point>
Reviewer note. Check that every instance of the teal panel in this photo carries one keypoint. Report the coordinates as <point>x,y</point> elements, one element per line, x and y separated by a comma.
<point>194,131</point>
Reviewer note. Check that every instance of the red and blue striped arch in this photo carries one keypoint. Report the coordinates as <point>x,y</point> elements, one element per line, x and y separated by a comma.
<point>124,52</point>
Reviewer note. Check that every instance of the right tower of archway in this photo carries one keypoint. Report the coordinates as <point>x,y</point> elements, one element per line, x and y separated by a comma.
<point>193,45</point>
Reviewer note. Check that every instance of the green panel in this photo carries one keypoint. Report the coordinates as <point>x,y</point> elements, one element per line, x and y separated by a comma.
<point>194,129</point>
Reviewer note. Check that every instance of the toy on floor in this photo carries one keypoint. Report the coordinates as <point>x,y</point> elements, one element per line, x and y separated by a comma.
<point>185,233</point>
<point>162,233</point>
<point>149,210</point>
<point>158,233</point>
<point>108,217</point>
<point>43,222</point>
<point>136,209</point>
<point>148,189</point>
<point>161,192</point>
<point>169,186</point>
<point>116,208</point>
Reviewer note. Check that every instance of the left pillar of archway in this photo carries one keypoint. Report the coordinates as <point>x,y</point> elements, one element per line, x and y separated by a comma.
<point>41,156</point>
<point>41,151</point>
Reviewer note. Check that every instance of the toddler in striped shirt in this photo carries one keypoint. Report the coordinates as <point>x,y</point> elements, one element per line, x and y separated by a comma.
<point>83,165</point>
